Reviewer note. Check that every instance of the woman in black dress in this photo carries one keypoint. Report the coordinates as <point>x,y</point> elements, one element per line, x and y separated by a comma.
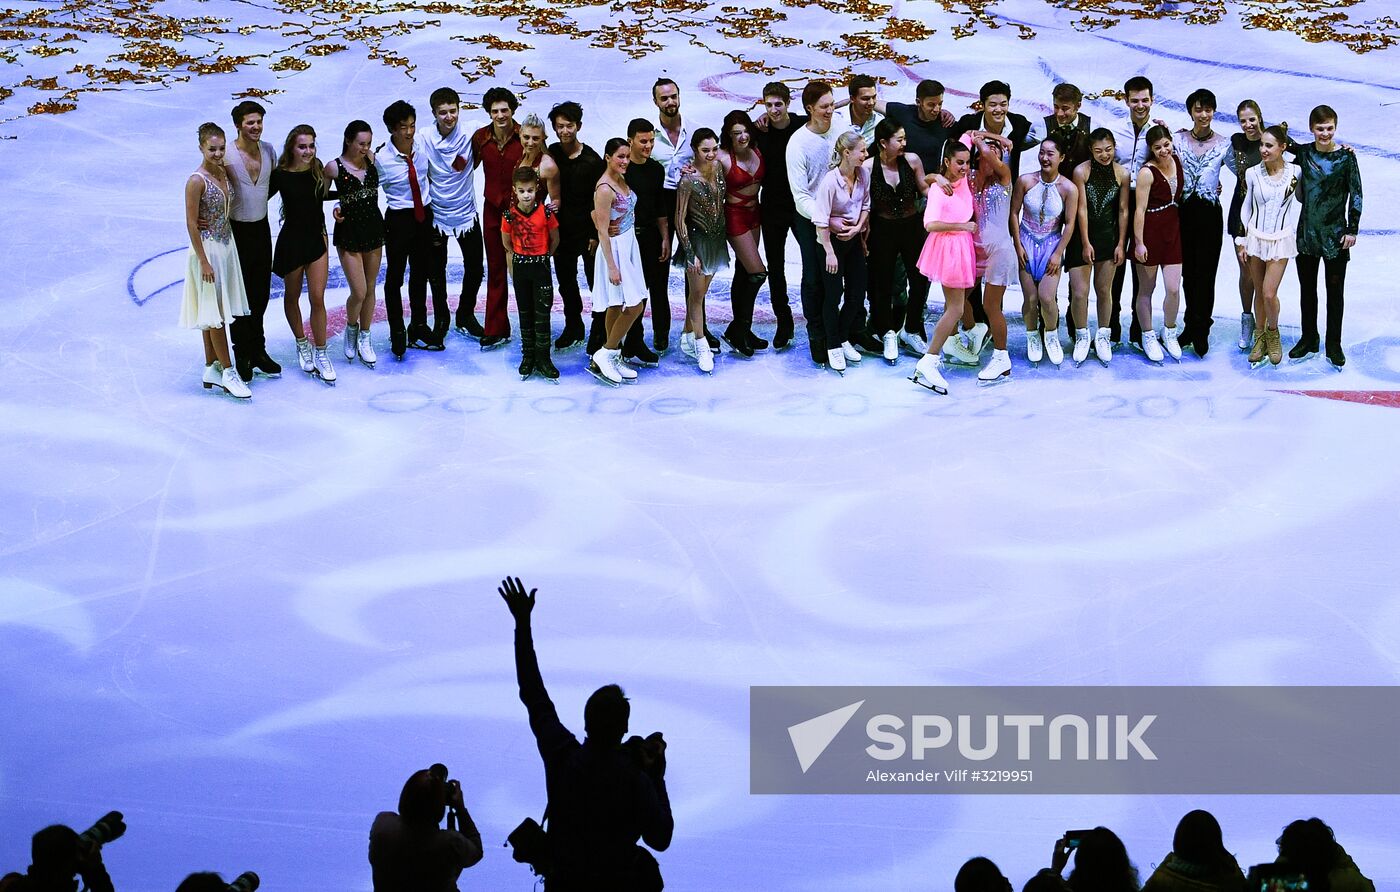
<point>301,245</point>
<point>359,235</point>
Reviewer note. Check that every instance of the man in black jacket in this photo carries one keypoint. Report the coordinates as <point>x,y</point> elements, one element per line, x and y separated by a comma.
<point>603,795</point>
<point>579,170</point>
<point>996,117</point>
<point>1071,127</point>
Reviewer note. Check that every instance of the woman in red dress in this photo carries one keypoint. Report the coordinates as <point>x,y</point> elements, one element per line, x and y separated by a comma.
<point>743,176</point>
<point>1157,229</point>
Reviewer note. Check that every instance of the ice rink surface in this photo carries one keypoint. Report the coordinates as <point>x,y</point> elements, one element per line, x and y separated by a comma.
<point>244,625</point>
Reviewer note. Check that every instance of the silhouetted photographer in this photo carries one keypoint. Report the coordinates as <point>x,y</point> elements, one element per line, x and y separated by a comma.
<point>409,852</point>
<point>61,856</point>
<point>212,882</point>
<point>604,794</point>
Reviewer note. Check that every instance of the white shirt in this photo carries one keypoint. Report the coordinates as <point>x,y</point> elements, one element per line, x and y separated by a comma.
<point>452,194</point>
<point>808,159</point>
<point>672,155</point>
<point>1130,146</point>
<point>841,118</point>
<point>392,166</point>
<point>1201,163</point>
<point>249,198</point>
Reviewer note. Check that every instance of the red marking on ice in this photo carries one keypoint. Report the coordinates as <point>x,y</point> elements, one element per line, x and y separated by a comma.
<point>711,87</point>
<point>915,76</point>
<point>335,314</point>
<point>1389,398</point>
<point>335,317</point>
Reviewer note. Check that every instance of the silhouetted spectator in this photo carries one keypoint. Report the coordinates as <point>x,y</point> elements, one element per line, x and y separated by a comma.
<point>1311,848</point>
<point>408,852</point>
<point>1100,863</point>
<point>59,854</point>
<point>980,875</point>
<point>1048,880</point>
<point>603,795</point>
<point>208,881</point>
<point>1198,861</point>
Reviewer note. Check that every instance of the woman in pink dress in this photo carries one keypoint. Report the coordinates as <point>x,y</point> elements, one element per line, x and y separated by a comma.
<point>949,258</point>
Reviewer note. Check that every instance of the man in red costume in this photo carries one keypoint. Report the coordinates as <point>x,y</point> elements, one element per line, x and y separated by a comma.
<point>496,147</point>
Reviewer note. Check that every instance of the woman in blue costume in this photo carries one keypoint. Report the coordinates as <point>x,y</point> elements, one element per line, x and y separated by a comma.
<point>1042,202</point>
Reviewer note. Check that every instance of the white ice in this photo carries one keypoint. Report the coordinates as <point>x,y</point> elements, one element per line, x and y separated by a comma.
<point>244,625</point>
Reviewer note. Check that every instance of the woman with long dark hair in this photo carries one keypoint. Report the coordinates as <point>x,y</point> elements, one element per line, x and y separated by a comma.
<point>1199,861</point>
<point>300,254</point>
<point>896,232</point>
<point>700,226</point>
<point>949,257</point>
<point>359,235</point>
<point>622,287</point>
<point>1157,241</point>
<point>744,170</point>
<point>1101,864</point>
<point>1311,848</point>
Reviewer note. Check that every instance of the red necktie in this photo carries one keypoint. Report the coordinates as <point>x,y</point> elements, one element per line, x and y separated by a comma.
<point>418,212</point>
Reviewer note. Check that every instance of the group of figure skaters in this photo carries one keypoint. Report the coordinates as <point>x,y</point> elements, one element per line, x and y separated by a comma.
<point>882,198</point>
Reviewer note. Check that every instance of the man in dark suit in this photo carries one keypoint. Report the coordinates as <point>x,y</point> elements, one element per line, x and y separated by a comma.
<point>1071,128</point>
<point>996,117</point>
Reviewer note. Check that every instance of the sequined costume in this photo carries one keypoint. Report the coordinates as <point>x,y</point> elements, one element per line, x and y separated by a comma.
<point>1042,212</point>
<point>704,223</point>
<point>1101,194</point>
<point>996,253</point>
<point>211,304</point>
<point>361,227</point>
<point>1331,197</point>
<point>626,253</point>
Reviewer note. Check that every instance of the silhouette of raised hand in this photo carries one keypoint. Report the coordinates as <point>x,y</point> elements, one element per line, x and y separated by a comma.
<point>519,602</point>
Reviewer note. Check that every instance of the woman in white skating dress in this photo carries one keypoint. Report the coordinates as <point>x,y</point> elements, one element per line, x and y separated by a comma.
<point>213,281</point>
<point>1270,219</point>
